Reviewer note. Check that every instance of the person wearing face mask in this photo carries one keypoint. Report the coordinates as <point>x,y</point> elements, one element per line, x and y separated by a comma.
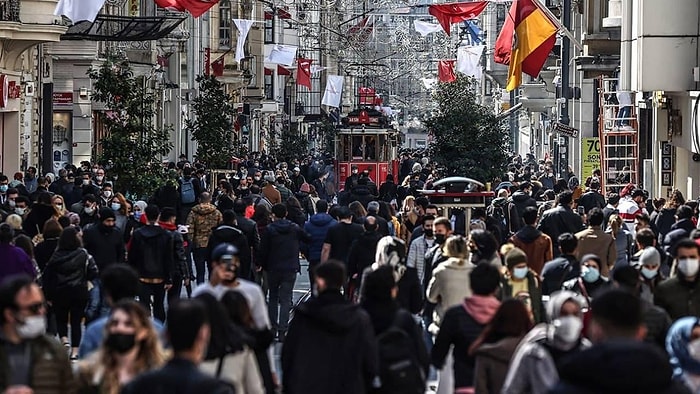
<point>649,269</point>
<point>483,246</point>
<point>418,248</point>
<point>106,195</point>
<point>534,367</point>
<point>617,330</point>
<point>32,362</point>
<point>683,347</point>
<point>188,333</point>
<point>351,181</point>
<point>590,281</point>
<point>88,211</point>
<point>520,280</point>
<point>131,347</point>
<point>680,294</point>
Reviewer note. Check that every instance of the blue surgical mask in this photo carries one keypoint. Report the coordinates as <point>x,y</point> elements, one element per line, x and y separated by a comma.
<point>137,215</point>
<point>649,274</point>
<point>116,206</point>
<point>590,274</point>
<point>3,188</point>
<point>520,273</point>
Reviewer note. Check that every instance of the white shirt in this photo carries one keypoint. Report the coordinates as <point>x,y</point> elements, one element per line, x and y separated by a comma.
<point>250,290</point>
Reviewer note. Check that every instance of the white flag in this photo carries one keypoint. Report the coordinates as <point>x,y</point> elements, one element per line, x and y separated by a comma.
<point>469,60</point>
<point>334,91</point>
<point>79,10</point>
<point>317,69</point>
<point>425,28</point>
<point>429,83</point>
<point>243,26</point>
<point>282,54</point>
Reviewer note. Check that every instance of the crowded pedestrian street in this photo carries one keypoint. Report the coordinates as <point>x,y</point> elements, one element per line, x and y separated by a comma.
<point>349,197</point>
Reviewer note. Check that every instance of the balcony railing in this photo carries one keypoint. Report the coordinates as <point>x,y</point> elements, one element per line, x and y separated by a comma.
<point>9,10</point>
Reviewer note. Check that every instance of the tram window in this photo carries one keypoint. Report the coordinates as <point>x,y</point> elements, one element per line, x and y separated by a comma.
<point>344,147</point>
<point>357,147</point>
<point>370,148</point>
<point>382,148</point>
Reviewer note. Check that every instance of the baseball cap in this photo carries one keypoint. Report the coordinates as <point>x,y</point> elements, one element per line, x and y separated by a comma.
<point>224,251</point>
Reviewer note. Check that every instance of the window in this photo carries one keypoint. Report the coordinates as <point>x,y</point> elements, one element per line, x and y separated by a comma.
<point>225,24</point>
<point>500,16</point>
<point>269,27</point>
<point>269,87</point>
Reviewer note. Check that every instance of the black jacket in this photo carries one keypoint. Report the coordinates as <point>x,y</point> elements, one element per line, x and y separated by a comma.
<point>617,366</point>
<point>105,244</point>
<point>250,229</point>
<point>152,253</point>
<point>388,191</point>
<point>410,294</point>
<point>591,199</point>
<point>558,271</point>
<point>324,323</point>
<point>521,200</point>
<point>68,270</point>
<point>382,223</point>
<point>279,246</point>
<point>43,252</point>
<point>362,194</point>
<point>34,223</point>
<point>663,220</point>
<point>557,221</point>
<point>178,376</point>
<point>679,230</point>
<point>362,252</point>
<point>234,236</point>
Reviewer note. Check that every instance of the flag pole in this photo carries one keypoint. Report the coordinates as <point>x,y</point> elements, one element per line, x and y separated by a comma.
<point>563,30</point>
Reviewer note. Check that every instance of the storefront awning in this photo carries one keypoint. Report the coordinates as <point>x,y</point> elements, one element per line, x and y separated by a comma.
<point>124,28</point>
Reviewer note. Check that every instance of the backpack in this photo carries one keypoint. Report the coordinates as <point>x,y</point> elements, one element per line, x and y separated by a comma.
<point>399,369</point>
<point>187,194</point>
<point>497,213</point>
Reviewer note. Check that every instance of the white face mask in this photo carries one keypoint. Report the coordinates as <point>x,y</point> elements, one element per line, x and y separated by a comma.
<point>89,210</point>
<point>107,193</point>
<point>33,327</point>
<point>100,178</point>
<point>688,267</point>
<point>567,329</point>
<point>86,182</point>
<point>11,203</point>
<point>20,211</point>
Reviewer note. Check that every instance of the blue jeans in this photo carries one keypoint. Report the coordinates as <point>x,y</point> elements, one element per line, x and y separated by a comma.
<point>624,112</point>
<point>96,306</point>
<point>281,285</point>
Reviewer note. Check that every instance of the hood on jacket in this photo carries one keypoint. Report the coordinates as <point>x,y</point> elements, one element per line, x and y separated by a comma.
<point>557,299</point>
<point>520,196</point>
<point>225,231</point>
<point>321,219</point>
<point>499,201</point>
<point>69,262</point>
<point>528,234</point>
<point>501,351</point>
<point>151,231</point>
<point>281,226</point>
<point>331,311</point>
<point>481,308</point>
<point>685,224</point>
<point>677,342</point>
<point>204,209</point>
<point>646,369</point>
<point>61,256</point>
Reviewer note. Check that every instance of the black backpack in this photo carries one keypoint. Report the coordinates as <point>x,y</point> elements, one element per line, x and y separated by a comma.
<point>499,216</point>
<point>399,369</point>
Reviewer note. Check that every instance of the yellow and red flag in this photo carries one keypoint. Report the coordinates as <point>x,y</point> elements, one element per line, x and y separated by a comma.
<point>524,43</point>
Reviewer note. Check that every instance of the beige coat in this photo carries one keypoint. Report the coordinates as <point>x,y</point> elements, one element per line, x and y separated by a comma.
<point>239,369</point>
<point>449,285</point>
<point>596,241</point>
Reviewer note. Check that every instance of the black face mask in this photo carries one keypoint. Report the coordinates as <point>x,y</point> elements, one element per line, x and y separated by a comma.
<point>428,232</point>
<point>440,238</point>
<point>121,343</point>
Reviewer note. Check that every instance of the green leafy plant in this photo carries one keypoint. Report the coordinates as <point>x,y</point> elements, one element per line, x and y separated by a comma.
<point>134,147</point>
<point>212,125</point>
<point>467,138</point>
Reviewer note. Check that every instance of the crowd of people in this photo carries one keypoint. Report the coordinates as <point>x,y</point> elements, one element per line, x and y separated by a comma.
<point>554,286</point>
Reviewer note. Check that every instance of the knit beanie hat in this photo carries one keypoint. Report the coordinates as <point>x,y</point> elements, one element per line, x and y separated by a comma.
<point>515,257</point>
<point>106,213</point>
<point>650,256</point>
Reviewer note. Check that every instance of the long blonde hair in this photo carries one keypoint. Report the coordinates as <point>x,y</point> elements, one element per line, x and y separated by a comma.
<point>615,223</point>
<point>102,365</point>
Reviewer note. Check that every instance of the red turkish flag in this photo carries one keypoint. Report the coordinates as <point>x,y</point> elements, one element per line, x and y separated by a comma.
<point>304,72</point>
<point>194,7</point>
<point>448,14</point>
<point>446,70</point>
<point>217,67</point>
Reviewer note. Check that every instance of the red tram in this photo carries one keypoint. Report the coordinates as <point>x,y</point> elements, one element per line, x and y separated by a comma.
<point>366,140</point>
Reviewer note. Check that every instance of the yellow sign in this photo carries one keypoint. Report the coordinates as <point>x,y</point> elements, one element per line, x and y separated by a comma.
<point>590,156</point>
<point>134,7</point>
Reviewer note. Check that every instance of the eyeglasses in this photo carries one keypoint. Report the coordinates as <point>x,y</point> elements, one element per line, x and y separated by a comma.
<point>34,309</point>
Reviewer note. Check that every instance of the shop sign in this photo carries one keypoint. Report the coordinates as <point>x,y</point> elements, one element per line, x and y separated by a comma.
<point>61,99</point>
<point>4,90</point>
